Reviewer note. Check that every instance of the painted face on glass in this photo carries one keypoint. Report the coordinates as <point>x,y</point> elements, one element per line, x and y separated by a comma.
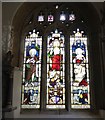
<point>56,46</point>
<point>79,56</point>
<point>56,43</point>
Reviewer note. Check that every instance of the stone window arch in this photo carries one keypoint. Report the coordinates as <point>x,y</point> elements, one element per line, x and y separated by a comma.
<point>83,21</point>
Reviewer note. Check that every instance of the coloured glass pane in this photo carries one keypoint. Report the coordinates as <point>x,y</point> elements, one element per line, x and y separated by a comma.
<point>80,94</point>
<point>62,16</point>
<point>32,71</point>
<point>55,71</point>
<point>71,17</point>
<point>40,18</point>
<point>50,18</point>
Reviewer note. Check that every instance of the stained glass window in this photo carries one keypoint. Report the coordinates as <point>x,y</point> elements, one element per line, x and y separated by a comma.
<point>32,71</point>
<point>80,92</point>
<point>55,71</point>
<point>54,87</point>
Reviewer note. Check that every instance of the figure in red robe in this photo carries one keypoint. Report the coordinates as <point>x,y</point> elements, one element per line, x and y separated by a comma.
<point>56,60</point>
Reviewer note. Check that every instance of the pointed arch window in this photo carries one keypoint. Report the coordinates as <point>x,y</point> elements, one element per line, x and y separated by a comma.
<point>54,89</point>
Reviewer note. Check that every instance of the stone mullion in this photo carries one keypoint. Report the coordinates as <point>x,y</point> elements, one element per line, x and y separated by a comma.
<point>44,73</point>
<point>67,72</point>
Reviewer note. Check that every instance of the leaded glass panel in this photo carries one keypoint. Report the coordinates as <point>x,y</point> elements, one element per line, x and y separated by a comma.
<point>55,71</point>
<point>32,71</point>
<point>80,93</point>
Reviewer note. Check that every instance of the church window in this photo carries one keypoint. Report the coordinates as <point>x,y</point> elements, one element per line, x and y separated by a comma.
<point>56,42</point>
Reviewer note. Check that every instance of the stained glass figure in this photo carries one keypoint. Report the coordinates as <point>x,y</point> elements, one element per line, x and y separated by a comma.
<point>80,92</point>
<point>55,71</point>
<point>32,71</point>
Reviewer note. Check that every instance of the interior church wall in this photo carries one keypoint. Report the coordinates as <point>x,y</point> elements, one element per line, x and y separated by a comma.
<point>7,44</point>
<point>8,11</point>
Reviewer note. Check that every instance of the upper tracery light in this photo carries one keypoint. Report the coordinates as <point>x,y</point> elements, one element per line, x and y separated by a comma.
<point>62,16</point>
<point>50,18</point>
<point>41,18</point>
<point>72,17</point>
